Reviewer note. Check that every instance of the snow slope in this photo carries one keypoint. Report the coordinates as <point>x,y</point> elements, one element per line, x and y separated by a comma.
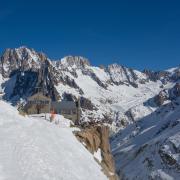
<point>151,148</point>
<point>113,101</point>
<point>35,149</point>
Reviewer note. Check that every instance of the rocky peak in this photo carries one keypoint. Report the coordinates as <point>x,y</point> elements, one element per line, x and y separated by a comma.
<point>21,58</point>
<point>22,53</point>
<point>117,73</point>
<point>114,66</point>
<point>74,62</point>
<point>172,74</point>
<point>152,75</point>
<point>122,75</point>
<point>28,69</point>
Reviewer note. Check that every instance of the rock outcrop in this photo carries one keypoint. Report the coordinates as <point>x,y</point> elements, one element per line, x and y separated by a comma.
<point>161,97</point>
<point>96,139</point>
<point>165,95</point>
<point>76,61</point>
<point>176,90</point>
<point>86,104</point>
<point>27,70</point>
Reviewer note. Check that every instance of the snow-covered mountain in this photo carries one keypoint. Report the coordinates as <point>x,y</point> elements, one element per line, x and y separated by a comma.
<point>142,108</point>
<point>150,148</point>
<point>113,94</point>
<point>35,149</point>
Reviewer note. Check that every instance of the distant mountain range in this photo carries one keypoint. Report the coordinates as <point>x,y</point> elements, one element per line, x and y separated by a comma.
<point>106,92</point>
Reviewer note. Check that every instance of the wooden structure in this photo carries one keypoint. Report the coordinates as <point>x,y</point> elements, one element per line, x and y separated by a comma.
<point>38,103</point>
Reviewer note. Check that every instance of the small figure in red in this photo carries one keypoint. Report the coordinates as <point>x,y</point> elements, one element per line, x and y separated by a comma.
<point>52,115</point>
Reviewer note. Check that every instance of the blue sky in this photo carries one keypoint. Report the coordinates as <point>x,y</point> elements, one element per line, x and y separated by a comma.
<point>135,33</point>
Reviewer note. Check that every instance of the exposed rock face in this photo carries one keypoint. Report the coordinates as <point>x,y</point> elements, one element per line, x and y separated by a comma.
<point>20,59</point>
<point>75,61</point>
<point>161,98</point>
<point>120,75</point>
<point>70,82</point>
<point>163,76</point>
<point>28,70</point>
<point>25,84</point>
<point>69,97</point>
<point>97,138</point>
<point>166,154</point>
<point>94,77</point>
<point>176,90</point>
<point>170,94</point>
<point>86,104</point>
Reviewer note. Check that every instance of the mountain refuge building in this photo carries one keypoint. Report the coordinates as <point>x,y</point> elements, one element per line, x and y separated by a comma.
<point>39,103</point>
